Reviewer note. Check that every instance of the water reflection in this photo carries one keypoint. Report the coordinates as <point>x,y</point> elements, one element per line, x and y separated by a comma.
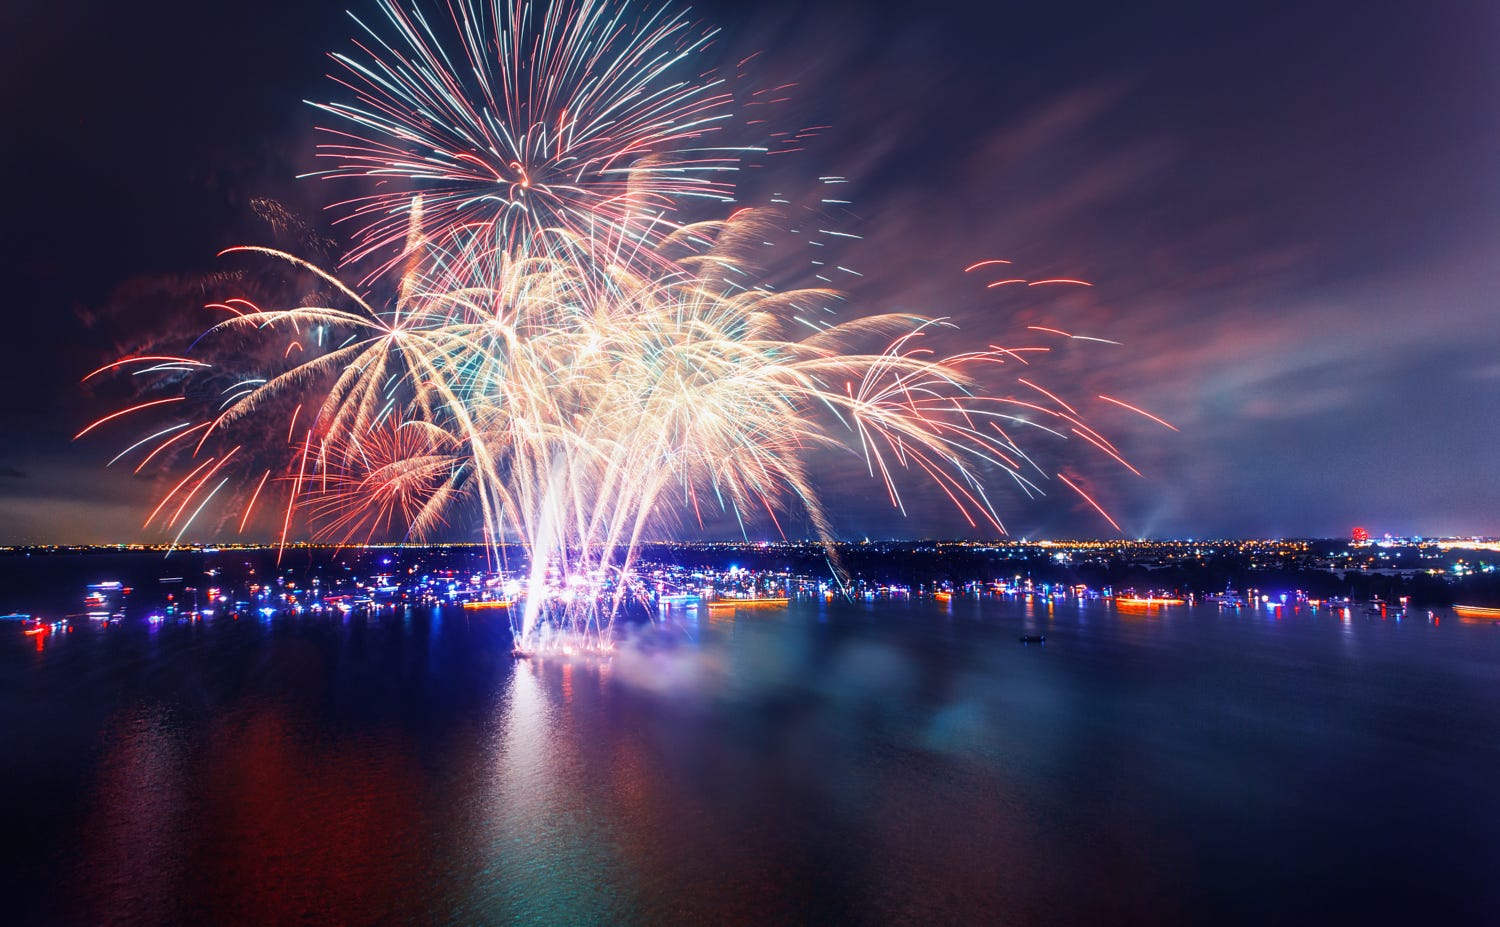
<point>547,859</point>
<point>307,827</point>
<point>906,762</point>
<point>132,846</point>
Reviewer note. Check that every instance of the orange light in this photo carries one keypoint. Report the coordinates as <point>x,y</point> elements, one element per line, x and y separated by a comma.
<point>1476,611</point>
<point>747,603</point>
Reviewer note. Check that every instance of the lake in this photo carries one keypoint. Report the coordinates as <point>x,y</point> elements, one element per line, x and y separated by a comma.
<point>865,763</point>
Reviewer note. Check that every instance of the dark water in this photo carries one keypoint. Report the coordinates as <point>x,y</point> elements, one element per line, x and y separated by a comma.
<point>888,763</point>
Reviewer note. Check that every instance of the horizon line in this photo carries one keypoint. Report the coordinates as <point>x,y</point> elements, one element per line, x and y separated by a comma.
<point>783,542</point>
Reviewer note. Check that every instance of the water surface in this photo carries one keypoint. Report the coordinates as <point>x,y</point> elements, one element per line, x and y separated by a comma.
<point>889,762</point>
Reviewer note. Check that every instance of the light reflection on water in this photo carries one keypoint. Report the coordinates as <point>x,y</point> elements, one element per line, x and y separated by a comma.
<point>547,860</point>
<point>886,762</point>
<point>127,822</point>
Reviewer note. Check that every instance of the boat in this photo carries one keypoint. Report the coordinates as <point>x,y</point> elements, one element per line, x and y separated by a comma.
<point>1132,601</point>
<point>1477,612</point>
<point>489,603</point>
<point>36,627</point>
<point>1228,599</point>
<point>1033,638</point>
<point>767,602</point>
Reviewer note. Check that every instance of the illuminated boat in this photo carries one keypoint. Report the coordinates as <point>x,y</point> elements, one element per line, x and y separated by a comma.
<point>942,596</point>
<point>1479,612</point>
<point>766,602</point>
<point>489,603</point>
<point>1132,601</point>
<point>1033,638</point>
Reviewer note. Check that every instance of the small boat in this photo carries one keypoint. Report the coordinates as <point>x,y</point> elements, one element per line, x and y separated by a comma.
<point>1033,638</point>
<point>1135,601</point>
<point>748,602</point>
<point>1477,611</point>
<point>1228,598</point>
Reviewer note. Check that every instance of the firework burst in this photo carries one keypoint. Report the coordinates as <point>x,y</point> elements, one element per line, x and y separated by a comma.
<point>555,360</point>
<point>521,116</point>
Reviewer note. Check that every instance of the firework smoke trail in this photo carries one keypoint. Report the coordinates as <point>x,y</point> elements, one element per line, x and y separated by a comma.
<point>573,369</point>
<point>521,116</point>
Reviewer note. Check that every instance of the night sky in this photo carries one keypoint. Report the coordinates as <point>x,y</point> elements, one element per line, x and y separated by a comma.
<point>1290,212</point>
